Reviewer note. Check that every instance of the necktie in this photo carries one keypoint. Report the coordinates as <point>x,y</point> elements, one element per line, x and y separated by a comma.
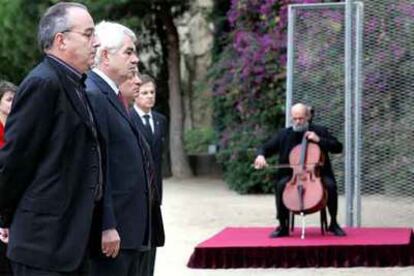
<point>147,124</point>
<point>123,101</point>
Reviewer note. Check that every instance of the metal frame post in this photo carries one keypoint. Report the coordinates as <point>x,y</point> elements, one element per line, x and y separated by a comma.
<point>290,63</point>
<point>348,114</point>
<point>352,95</point>
<point>359,30</point>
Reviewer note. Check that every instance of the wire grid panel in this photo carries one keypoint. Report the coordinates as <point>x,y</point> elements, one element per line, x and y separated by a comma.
<point>388,98</point>
<point>318,69</point>
<point>387,131</point>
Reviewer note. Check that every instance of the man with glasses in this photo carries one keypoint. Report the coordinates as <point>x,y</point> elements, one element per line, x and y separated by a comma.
<point>52,165</point>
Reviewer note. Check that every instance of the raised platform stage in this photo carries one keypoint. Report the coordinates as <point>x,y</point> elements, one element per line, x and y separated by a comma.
<point>236,247</point>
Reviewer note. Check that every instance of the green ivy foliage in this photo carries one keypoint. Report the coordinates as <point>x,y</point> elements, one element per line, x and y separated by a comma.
<point>18,30</point>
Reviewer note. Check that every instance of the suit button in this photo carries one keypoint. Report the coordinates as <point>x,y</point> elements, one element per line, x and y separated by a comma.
<point>94,168</point>
<point>93,148</point>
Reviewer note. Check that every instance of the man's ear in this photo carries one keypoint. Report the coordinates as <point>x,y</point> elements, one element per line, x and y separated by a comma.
<point>105,55</point>
<point>59,41</point>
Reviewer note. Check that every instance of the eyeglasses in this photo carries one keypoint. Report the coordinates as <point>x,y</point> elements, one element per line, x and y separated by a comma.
<point>88,35</point>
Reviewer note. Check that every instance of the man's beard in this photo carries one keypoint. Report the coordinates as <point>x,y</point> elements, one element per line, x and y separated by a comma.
<point>300,128</point>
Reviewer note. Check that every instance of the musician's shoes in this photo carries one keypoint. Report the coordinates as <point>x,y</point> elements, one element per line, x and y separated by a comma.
<point>279,232</point>
<point>336,230</point>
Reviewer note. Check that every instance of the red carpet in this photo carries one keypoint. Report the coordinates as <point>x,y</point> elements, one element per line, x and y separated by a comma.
<point>251,247</point>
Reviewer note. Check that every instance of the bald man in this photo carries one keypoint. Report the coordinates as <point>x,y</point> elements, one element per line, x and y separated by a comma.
<point>53,163</point>
<point>282,143</point>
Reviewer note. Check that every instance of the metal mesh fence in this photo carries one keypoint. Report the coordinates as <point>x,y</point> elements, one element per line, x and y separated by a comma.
<point>388,98</point>
<point>386,174</point>
<point>318,69</point>
<point>387,138</point>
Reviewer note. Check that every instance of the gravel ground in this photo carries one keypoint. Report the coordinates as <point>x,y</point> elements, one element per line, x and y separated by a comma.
<point>197,208</point>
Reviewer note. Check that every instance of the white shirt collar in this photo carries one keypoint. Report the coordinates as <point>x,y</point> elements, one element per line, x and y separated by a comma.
<point>108,80</point>
<point>141,113</point>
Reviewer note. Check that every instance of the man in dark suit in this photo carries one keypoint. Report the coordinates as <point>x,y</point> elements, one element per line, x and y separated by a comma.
<point>52,165</point>
<point>282,143</point>
<point>126,213</point>
<point>153,126</point>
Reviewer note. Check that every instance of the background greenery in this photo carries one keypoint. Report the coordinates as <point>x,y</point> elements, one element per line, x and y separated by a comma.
<point>248,82</point>
<point>247,78</point>
<point>197,140</point>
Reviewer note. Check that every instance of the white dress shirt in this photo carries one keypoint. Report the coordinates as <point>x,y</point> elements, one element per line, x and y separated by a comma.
<point>107,79</point>
<point>141,115</point>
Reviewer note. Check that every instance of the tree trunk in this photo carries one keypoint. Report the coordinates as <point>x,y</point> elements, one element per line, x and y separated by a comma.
<point>188,95</point>
<point>179,162</point>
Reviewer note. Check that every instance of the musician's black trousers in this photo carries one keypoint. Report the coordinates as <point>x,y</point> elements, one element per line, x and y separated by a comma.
<point>283,212</point>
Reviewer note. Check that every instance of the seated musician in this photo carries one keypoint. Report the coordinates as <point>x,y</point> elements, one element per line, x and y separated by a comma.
<point>282,143</point>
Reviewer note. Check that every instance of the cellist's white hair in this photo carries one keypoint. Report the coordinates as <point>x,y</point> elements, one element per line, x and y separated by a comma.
<point>302,107</point>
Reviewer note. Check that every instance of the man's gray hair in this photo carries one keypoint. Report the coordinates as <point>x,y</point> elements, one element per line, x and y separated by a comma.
<point>145,78</point>
<point>111,37</point>
<point>55,21</point>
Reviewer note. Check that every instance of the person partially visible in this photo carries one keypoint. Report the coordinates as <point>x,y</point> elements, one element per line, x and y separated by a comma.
<point>7,91</point>
<point>52,164</point>
<point>156,131</point>
<point>153,126</point>
<point>130,87</point>
<point>282,143</point>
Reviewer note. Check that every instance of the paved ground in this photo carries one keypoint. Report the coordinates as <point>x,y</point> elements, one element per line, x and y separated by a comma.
<point>198,208</point>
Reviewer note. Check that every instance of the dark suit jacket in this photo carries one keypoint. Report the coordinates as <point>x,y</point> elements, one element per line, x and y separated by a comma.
<point>156,142</point>
<point>284,141</point>
<point>126,199</point>
<point>49,169</point>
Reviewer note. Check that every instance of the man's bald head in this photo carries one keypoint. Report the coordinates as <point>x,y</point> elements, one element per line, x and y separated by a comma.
<point>300,116</point>
<point>300,108</point>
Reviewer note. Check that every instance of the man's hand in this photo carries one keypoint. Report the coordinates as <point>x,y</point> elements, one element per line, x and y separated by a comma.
<point>260,162</point>
<point>4,235</point>
<point>110,243</point>
<point>312,136</point>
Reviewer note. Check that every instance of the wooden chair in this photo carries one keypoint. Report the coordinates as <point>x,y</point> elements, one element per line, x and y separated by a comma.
<point>323,220</point>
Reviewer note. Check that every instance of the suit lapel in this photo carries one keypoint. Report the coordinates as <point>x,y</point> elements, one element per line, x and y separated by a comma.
<point>69,88</point>
<point>109,93</point>
<point>139,129</point>
<point>113,99</point>
<point>157,127</point>
<point>140,125</point>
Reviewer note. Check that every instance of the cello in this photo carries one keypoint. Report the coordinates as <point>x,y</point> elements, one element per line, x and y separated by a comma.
<point>305,192</point>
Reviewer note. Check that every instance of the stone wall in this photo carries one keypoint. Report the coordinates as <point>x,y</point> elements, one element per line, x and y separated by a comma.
<point>196,41</point>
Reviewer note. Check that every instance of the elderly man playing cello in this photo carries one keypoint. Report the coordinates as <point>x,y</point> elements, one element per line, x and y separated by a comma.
<point>282,143</point>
